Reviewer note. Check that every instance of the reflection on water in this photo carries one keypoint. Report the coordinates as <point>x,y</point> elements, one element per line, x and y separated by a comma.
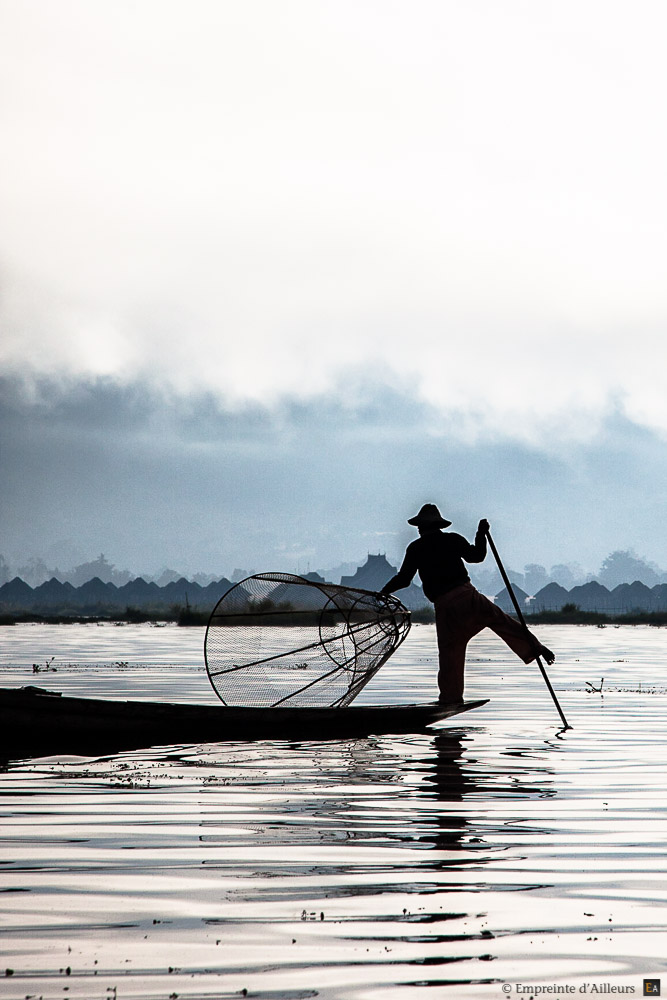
<point>495,850</point>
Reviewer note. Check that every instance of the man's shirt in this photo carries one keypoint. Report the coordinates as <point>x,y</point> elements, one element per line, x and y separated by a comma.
<point>438,558</point>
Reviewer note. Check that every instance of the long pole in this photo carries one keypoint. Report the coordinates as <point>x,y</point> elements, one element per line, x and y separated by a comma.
<point>510,591</point>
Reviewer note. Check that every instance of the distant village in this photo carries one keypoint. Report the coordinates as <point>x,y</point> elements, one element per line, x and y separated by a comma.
<point>96,596</point>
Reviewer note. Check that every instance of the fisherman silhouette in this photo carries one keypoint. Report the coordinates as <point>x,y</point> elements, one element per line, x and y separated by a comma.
<point>460,610</point>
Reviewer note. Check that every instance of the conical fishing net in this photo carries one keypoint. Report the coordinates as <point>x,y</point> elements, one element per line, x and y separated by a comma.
<point>277,639</point>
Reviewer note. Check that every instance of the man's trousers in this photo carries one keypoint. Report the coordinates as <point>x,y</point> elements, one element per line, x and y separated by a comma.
<point>459,615</point>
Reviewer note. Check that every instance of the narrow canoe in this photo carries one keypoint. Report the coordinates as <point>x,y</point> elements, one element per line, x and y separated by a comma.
<point>34,721</point>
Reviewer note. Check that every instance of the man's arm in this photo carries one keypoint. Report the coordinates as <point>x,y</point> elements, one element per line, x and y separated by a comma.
<point>405,575</point>
<point>476,552</point>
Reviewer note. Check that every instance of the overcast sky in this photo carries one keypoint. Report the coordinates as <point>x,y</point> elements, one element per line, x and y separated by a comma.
<point>275,274</point>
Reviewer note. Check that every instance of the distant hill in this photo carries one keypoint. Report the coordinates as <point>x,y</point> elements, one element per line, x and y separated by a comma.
<point>505,602</point>
<point>550,598</point>
<point>593,596</point>
<point>95,597</point>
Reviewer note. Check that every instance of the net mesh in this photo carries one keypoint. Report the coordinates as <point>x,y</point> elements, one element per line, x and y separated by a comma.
<point>278,639</point>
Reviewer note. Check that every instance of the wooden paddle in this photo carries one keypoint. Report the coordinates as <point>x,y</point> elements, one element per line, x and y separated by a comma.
<point>523,622</point>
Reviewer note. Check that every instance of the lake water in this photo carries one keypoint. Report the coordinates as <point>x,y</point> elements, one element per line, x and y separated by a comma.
<point>488,858</point>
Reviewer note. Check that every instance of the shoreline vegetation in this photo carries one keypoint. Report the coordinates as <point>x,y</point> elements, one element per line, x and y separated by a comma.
<point>185,615</point>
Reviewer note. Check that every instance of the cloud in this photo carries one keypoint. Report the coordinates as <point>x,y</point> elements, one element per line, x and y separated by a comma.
<point>153,479</point>
<point>272,276</point>
<point>259,201</point>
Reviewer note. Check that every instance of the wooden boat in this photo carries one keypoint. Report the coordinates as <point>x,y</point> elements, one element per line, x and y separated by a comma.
<point>36,722</point>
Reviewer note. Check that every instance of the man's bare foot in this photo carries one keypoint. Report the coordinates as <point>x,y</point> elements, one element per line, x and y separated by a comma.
<point>546,654</point>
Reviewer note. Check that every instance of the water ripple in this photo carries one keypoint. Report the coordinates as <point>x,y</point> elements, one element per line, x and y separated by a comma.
<point>499,850</point>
